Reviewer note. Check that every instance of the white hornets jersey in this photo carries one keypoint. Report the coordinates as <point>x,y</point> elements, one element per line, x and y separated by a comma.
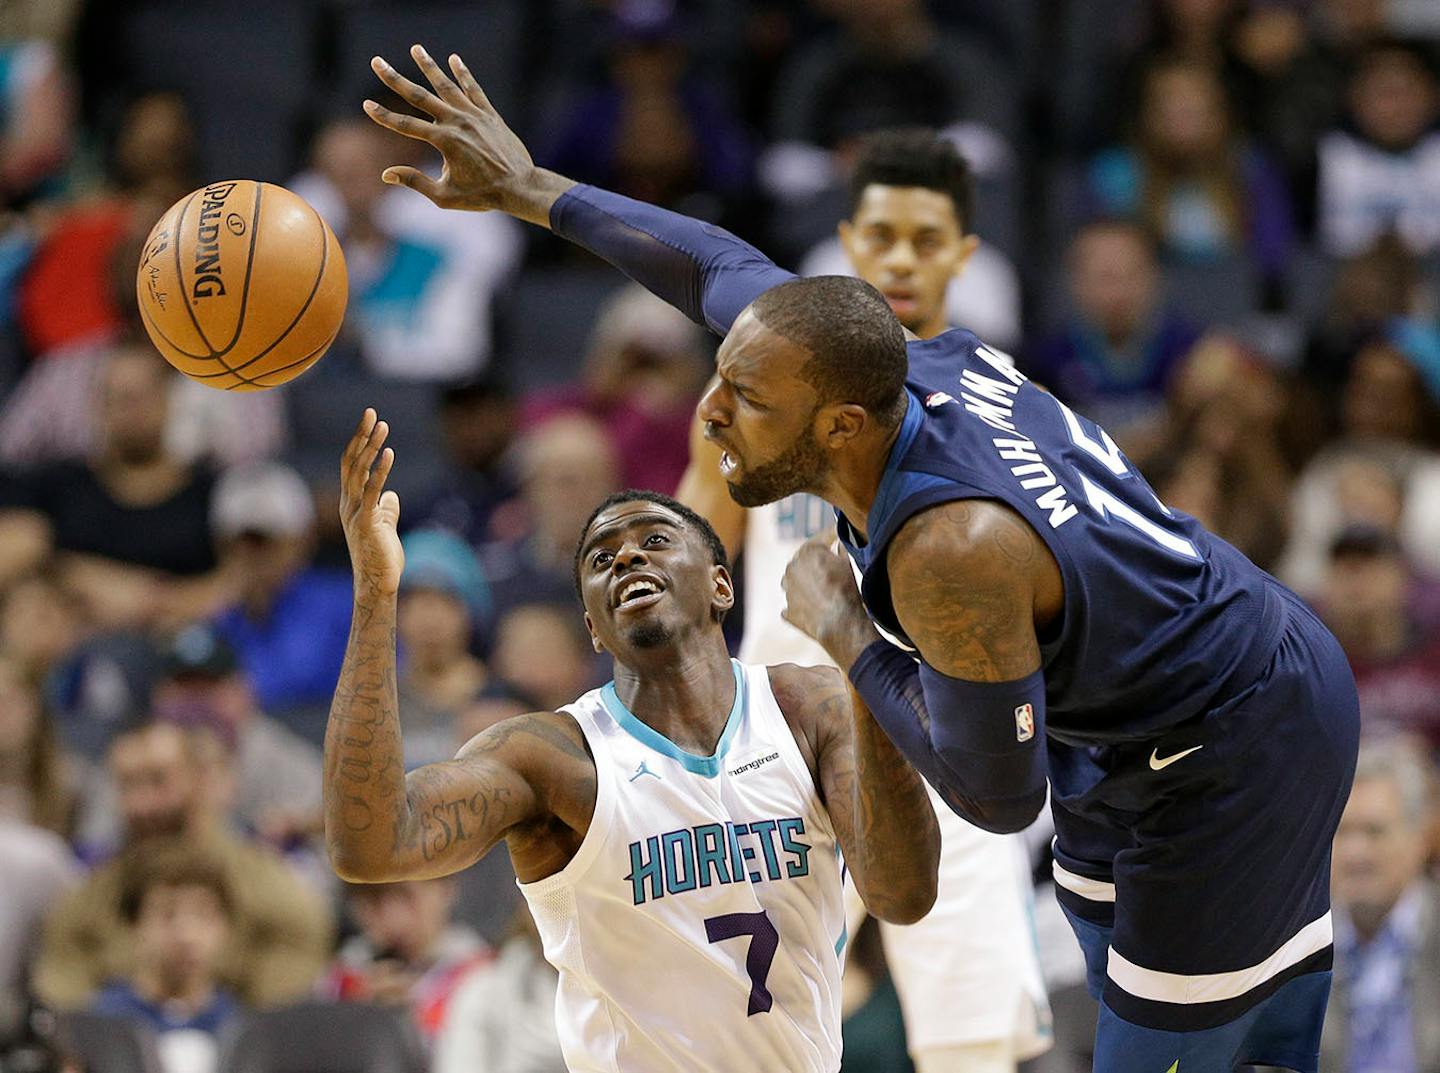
<point>700,927</point>
<point>773,534</point>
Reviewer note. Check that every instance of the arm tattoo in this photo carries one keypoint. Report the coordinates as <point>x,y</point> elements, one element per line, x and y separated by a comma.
<point>961,584</point>
<point>876,800</point>
<point>381,824</point>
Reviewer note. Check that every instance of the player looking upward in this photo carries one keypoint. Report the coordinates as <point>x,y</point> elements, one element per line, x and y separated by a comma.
<point>968,975</point>
<point>1197,723</point>
<point>677,834</point>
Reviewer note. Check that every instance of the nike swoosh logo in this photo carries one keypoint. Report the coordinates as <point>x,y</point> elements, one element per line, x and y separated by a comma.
<point>1156,764</point>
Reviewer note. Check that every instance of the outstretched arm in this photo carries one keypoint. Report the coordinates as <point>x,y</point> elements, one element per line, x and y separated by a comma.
<point>704,271</point>
<point>381,825</point>
<point>970,717</point>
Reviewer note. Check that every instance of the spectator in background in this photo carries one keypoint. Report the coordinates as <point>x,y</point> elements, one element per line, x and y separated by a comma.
<point>41,623</point>
<point>567,670</point>
<point>651,128</point>
<point>1381,172</point>
<point>290,618</point>
<point>1384,1012</point>
<point>277,774</point>
<point>443,601</point>
<point>1369,290</point>
<point>566,465</point>
<point>422,281</point>
<point>1372,601</point>
<point>131,523</point>
<point>1115,357</point>
<point>1216,452</point>
<point>502,1016</point>
<point>36,870</point>
<point>40,783</point>
<point>165,781</point>
<point>889,65</point>
<point>1383,469</point>
<point>645,371</point>
<point>178,902</point>
<point>37,134</point>
<point>1191,179</point>
<point>409,952</point>
<point>477,426</point>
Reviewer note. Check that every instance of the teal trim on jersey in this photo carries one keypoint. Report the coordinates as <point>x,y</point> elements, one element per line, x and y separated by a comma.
<point>708,766</point>
<point>844,938</point>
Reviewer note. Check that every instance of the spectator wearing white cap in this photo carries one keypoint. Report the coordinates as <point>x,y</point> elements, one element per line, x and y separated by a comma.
<point>292,618</point>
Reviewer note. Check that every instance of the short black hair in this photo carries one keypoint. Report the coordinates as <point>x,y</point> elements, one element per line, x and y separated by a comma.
<point>857,347</point>
<point>915,156</point>
<point>639,495</point>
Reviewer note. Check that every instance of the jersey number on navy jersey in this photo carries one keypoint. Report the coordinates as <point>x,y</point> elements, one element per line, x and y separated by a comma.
<point>1099,446</point>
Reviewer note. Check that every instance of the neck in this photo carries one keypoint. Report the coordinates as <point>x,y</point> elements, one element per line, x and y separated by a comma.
<point>445,680</point>
<point>685,693</point>
<point>139,481</point>
<point>936,325</point>
<point>854,482</point>
<point>193,993</point>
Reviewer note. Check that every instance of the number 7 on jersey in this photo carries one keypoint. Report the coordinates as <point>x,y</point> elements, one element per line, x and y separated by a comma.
<point>764,941</point>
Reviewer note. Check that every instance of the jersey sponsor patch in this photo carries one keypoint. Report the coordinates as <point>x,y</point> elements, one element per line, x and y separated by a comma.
<point>754,762</point>
<point>1024,722</point>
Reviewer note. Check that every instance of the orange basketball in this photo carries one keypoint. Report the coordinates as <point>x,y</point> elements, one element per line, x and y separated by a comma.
<point>242,286</point>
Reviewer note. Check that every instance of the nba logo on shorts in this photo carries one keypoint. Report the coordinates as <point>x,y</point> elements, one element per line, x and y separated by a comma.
<point>1024,722</point>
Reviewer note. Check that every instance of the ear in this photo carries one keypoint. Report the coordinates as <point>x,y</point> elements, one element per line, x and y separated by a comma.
<point>839,423</point>
<point>594,638</point>
<point>968,245</point>
<point>723,599</point>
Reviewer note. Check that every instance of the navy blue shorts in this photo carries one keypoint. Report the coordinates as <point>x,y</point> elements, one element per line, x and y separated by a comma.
<point>1195,866</point>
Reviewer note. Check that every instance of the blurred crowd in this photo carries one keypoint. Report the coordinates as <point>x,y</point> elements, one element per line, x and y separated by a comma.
<point>1213,225</point>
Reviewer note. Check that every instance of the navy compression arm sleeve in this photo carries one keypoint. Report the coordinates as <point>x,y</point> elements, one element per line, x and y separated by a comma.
<point>703,271</point>
<point>975,742</point>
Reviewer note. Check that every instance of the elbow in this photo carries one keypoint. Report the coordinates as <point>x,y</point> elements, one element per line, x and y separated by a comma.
<point>908,906</point>
<point>1006,815</point>
<point>351,865</point>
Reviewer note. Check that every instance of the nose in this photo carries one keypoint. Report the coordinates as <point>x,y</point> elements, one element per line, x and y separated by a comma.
<point>710,408</point>
<point>900,258</point>
<point>631,556</point>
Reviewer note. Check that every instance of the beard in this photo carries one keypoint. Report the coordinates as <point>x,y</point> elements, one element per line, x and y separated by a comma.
<point>649,634</point>
<point>797,469</point>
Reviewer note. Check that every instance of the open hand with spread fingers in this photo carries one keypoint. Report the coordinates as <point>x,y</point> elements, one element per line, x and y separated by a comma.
<point>822,600</point>
<point>369,512</point>
<point>486,165</point>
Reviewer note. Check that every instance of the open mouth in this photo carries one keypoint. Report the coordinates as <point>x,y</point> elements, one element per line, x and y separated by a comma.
<point>639,593</point>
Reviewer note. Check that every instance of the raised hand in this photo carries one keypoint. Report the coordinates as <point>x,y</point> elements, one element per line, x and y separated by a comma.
<point>369,512</point>
<point>822,600</point>
<point>486,165</point>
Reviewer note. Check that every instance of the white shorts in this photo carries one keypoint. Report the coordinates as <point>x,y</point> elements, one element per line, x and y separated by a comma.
<point>970,972</point>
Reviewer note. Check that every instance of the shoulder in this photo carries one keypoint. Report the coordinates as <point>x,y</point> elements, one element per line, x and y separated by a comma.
<point>537,742</point>
<point>963,533</point>
<point>808,698</point>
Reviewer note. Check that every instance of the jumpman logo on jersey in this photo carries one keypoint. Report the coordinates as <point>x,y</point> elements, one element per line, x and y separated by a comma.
<point>642,770</point>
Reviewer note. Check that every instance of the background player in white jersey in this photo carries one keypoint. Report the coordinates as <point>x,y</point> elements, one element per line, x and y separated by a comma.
<point>677,834</point>
<point>968,975</point>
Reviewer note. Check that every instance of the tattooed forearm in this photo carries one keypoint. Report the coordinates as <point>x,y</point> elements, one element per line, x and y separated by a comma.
<point>878,804</point>
<point>364,775</point>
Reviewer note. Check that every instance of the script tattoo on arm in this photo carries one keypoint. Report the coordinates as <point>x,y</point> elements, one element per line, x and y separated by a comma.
<point>382,825</point>
<point>876,800</point>
<point>962,585</point>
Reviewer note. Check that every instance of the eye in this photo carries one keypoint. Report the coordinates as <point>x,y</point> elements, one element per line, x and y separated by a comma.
<point>654,538</point>
<point>600,558</point>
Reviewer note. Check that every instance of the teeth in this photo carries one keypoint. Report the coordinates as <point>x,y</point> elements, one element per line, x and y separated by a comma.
<point>636,588</point>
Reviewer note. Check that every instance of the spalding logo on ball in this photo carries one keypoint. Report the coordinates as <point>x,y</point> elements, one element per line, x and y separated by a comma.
<point>242,285</point>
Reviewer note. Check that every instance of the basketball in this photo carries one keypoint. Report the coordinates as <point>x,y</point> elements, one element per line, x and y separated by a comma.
<point>242,285</point>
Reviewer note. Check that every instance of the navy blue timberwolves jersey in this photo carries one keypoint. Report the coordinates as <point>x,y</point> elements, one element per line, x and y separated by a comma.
<point>1162,619</point>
